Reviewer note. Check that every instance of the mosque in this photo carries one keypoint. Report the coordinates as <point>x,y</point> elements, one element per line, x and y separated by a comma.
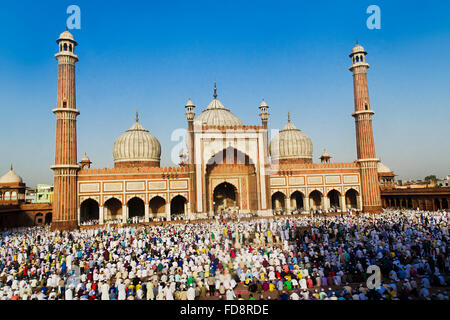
<point>229,166</point>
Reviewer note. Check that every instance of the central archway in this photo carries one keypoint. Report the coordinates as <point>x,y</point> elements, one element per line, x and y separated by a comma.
<point>224,197</point>
<point>237,169</point>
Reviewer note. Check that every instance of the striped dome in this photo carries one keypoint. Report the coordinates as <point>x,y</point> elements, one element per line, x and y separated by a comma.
<point>291,143</point>
<point>137,144</point>
<point>217,115</point>
<point>11,177</point>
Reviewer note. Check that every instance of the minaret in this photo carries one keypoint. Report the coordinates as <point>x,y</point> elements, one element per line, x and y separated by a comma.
<point>190,114</point>
<point>65,168</point>
<point>264,115</point>
<point>371,198</point>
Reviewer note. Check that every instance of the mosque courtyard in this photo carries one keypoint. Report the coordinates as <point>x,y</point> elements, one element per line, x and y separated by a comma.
<point>287,257</point>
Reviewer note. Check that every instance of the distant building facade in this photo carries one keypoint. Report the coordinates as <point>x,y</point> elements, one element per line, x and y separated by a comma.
<point>431,199</point>
<point>44,193</point>
<point>444,182</point>
<point>15,211</point>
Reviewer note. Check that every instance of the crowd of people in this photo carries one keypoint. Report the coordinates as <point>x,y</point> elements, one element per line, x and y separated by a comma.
<point>310,257</point>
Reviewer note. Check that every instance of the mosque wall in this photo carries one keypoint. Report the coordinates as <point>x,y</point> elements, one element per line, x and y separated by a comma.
<point>323,178</point>
<point>25,215</point>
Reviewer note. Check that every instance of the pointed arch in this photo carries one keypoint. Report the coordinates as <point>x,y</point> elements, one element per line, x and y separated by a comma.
<point>157,205</point>
<point>297,200</point>
<point>278,201</point>
<point>351,201</point>
<point>230,155</point>
<point>178,206</point>
<point>113,208</point>
<point>136,207</point>
<point>315,197</point>
<point>333,198</point>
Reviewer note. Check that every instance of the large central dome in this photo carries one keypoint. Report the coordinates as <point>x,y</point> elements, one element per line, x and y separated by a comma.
<point>217,115</point>
<point>137,148</point>
<point>291,145</point>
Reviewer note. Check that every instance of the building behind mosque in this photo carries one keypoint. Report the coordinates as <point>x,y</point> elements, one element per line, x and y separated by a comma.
<point>18,206</point>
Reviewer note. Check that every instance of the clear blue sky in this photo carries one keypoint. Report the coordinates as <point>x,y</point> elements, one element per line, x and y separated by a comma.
<point>153,55</point>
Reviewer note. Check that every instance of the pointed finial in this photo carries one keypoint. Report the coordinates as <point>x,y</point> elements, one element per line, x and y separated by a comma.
<point>356,41</point>
<point>289,116</point>
<point>11,167</point>
<point>215,90</point>
<point>137,116</point>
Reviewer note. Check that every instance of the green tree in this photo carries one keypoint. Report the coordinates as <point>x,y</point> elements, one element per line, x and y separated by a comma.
<point>430,178</point>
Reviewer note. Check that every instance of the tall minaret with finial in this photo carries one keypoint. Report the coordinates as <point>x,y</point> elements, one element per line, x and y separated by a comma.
<point>66,167</point>
<point>371,197</point>
<point>264,115</point>
<point>190,114</point>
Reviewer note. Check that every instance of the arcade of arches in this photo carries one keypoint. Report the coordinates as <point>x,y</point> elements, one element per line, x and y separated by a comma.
<point>412,198</point>
<point>113,209</point>
<point>298,202</point>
